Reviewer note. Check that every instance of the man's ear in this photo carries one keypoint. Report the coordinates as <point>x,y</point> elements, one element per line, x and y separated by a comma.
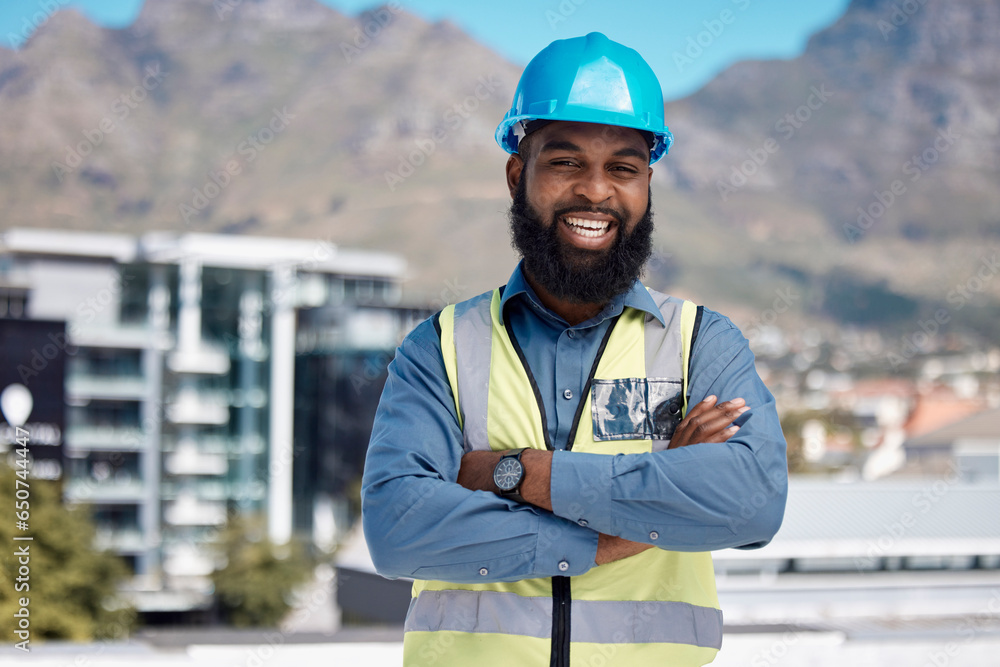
<point>515,168</point>
<point>649,180</point>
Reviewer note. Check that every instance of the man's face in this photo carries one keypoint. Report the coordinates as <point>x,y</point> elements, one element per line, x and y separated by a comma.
<point>581,215</point>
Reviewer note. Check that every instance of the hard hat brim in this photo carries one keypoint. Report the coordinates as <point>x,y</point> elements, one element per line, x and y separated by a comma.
<point>507,138</point>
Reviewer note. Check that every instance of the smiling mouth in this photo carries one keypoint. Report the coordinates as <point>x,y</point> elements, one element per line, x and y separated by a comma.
<point>587,228</point>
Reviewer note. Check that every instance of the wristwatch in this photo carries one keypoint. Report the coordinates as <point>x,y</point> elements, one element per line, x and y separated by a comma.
<point>509,473</point>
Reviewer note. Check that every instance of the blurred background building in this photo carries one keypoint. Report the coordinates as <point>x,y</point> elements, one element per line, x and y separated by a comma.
<point>206,377</point>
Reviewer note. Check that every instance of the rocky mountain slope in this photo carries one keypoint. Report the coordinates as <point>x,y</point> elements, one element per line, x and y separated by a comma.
<point>862,175</point>
<point>874,155</point>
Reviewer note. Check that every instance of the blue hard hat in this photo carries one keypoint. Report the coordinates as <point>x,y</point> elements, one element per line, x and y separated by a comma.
<point>590,80</point>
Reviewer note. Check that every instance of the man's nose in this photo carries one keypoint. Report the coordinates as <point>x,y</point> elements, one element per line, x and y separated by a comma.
<point>593,184</point>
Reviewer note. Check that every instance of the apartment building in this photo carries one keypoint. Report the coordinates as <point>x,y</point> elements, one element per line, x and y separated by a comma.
<point>208,376</point>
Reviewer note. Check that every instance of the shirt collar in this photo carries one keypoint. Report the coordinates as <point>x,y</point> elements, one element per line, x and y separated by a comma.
<point>637,296</point>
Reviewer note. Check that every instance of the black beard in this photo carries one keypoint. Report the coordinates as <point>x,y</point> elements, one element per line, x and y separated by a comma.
<point>578,275</point>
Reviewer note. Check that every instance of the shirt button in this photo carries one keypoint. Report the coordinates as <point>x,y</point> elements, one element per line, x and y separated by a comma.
<point>571,333</point>
<point>483,571</point>
<point>653,535</point>
<point>583,522</point>
<point>563,566</point>
<point>568,394</point>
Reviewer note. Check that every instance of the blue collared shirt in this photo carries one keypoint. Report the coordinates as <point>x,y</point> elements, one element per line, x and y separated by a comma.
<point>419,523</point>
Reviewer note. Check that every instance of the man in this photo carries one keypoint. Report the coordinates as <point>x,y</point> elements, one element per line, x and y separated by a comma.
<point>529,464</point>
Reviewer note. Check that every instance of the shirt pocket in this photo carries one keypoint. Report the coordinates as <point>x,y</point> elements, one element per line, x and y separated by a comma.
<point>635,408</point>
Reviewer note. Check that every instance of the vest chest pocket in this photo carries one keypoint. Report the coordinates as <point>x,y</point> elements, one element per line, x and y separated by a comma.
<point>635,408</point>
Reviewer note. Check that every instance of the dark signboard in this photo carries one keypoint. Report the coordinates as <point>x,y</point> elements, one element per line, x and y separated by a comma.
<point>32,392</point>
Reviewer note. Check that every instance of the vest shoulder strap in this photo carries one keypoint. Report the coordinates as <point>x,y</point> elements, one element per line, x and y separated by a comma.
<point>446,329</point>
<point>690,323</point>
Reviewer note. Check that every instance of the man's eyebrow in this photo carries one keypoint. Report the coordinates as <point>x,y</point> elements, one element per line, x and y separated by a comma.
<point>564,145</point>
<point>559,145</point>
<point>631,152</point>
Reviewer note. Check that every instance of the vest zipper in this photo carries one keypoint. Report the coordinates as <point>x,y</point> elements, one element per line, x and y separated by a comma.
<point>561,599</point>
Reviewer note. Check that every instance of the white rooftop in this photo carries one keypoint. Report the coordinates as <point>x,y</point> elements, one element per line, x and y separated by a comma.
<point>890,518</point>
<point>221,250</point>
<point>118,247</point>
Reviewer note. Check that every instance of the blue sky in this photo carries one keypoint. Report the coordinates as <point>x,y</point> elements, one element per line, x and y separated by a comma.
<point>686,43</point>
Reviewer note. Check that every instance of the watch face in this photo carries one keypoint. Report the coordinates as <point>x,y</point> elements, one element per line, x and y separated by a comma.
<point>507,474</point>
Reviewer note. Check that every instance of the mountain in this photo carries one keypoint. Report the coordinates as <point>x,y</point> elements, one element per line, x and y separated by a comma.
<point>350,129</point>
<point>869,161</point>
<point>860,177</point>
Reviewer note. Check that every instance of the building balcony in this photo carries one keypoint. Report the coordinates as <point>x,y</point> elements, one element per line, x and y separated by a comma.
<point>188,510</point>
<point>105,438</point>
<point>89,490</point>
<point>206,444</point>
<point>122,540</point>
<point>188,561</point>
<point>204,359</point>
<point>106,387</point>
<point>210,408</point>
<point>190,459</point>
<point>119,336</point>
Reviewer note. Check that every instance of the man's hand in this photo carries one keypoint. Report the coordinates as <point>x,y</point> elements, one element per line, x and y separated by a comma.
<point>611,548</point>
<point>705,422</point>
<point>708,422</point>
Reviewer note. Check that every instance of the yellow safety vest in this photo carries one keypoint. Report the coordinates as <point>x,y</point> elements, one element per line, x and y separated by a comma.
<point>655,608</point>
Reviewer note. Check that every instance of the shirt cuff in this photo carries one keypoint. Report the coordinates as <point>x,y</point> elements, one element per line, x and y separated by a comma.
<point>580,487</point>
<point>564,550</point>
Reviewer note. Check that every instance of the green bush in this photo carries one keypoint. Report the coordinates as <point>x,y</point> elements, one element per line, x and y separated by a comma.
<point>254,586</point>
<point>72,588</point>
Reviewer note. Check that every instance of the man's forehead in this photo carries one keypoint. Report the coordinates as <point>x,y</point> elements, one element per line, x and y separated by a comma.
<point>567,135</point>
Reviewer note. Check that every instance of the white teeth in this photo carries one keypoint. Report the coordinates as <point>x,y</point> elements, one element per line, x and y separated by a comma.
<point>590,228</point>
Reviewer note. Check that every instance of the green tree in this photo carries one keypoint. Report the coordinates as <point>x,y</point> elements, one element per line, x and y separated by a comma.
<point>254,586</point>
<point>72,588</point>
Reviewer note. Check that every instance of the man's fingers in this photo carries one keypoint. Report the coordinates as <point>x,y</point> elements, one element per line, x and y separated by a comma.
<point>720,435</point>
<point>710,403</point>
<point>712,429</point>
<point>707,409</point>
<point>708,422</point>
<point>702,407</point>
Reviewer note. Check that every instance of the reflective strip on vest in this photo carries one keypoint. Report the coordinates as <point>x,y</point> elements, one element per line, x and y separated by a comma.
<point>595,621</point>
<point>473,332</point>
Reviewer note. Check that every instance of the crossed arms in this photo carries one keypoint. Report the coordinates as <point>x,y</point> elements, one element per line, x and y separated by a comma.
<point>708,421</point>
<point>426,514</point>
